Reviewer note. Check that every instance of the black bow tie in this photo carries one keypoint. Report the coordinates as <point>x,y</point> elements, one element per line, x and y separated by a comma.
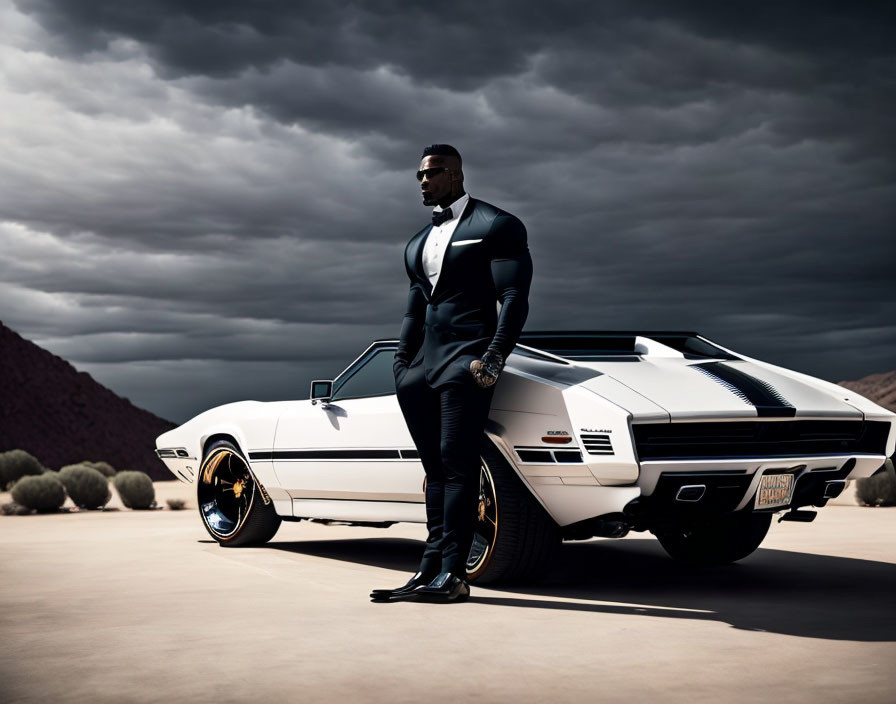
<point>438,217</point>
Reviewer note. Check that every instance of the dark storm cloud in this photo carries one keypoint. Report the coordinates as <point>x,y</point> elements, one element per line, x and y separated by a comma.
<point>191,189</point>
<point>483,39</point>
<point>291,303</point>
<point>222,39</point>
<point>657,76</point>
<point>292,272</point>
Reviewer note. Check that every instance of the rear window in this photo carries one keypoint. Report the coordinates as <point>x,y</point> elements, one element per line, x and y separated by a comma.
<point>584,346</point>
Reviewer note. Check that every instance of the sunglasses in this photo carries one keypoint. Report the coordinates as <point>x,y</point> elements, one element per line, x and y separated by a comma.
<point>429,173</point>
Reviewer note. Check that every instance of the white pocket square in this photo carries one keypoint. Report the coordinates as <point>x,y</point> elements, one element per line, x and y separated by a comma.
<point>460,242</point>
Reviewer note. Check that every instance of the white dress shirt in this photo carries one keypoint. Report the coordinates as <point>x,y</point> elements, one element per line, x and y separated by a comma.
<point>438,238</point>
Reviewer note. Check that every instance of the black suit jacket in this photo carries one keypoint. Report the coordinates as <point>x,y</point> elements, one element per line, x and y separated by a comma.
<point>487,260</point>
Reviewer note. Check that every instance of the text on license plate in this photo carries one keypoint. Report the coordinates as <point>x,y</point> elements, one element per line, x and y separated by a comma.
<point>774,490</point>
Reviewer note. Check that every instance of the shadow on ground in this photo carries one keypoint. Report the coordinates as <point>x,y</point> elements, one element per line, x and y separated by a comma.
<point>813,596</point>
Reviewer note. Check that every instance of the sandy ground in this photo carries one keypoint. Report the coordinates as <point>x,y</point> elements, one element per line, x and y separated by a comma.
<point>124,606</point>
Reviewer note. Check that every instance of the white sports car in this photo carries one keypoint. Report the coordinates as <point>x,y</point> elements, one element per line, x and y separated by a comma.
<point>589,434</point>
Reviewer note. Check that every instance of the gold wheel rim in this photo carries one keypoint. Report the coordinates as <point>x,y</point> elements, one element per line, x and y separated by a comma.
<point>485,526</point>
<point>226,493</point>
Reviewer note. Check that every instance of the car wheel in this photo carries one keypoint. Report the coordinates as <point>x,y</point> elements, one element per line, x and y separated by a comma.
<point>716,540</point>
<point>230,501</point>
<point>514,539</point>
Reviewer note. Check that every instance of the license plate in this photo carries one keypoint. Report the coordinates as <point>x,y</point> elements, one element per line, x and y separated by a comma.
<point>774,490</point>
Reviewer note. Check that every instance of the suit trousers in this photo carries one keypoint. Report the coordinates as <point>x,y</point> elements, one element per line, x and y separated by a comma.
<point>447,426</point>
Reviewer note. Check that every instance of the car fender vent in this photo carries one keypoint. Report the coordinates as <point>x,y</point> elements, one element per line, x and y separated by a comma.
<point>597,444</point>
<point>548,456</point>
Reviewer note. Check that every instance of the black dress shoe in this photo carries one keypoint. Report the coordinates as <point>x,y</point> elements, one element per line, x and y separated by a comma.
<point>415,583</point>
<point>446,588</point>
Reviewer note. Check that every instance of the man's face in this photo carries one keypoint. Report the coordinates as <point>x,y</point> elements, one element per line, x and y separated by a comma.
<point>438,179</point>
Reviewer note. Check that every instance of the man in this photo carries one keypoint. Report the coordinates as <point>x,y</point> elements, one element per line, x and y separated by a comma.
<point>452,348</point>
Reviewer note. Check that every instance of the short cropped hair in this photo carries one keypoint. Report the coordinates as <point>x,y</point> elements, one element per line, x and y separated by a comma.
<point>441,150</point>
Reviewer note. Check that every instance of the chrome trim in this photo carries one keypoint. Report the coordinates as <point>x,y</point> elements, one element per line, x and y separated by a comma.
<point>173,453</point>
<point>678,496</point>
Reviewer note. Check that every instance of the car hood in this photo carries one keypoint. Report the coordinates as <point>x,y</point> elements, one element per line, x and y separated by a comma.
<point>709,389</point>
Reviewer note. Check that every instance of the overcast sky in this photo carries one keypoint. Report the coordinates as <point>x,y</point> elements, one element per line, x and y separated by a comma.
<point>205,202</point>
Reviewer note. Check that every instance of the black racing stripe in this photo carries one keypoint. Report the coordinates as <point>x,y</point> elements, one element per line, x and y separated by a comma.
<point>766,398</point>
<point>326,455</point>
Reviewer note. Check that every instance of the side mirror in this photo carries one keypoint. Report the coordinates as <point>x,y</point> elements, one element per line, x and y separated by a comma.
<point>321,390</point>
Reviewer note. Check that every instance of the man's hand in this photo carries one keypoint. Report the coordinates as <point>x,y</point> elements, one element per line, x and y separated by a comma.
<point>486,370</point>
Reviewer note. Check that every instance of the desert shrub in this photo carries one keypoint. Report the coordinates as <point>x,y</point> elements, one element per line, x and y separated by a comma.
<point>13,509</point>
<point>135,489</point>
<point>105,468</point>
<point>16,464</point>
<point>87,487</point>
<point>176,504</point>
<point>879,489</point>
<point>43,492</point>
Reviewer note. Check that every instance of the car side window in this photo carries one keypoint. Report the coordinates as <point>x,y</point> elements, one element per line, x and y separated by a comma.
<point>373,377</point>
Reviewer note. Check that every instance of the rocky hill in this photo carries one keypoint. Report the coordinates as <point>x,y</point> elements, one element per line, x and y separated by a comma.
<point>61,415</point>
<point>880,388</point>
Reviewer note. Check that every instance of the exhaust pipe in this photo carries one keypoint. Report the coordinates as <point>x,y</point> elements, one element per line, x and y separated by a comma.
<point>799,516</point>
<point>691,493</point>
<point>834,488</point>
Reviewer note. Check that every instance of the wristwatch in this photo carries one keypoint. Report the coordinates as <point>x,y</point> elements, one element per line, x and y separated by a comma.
<point>492,363</point>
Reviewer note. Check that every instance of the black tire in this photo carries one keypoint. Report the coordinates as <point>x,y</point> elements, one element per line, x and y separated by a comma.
<point>230,501</point>
<point>715,540</point>
<point>514,538</point>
